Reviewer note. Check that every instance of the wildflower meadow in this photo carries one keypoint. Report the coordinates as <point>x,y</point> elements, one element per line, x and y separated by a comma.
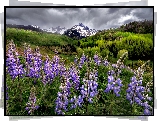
<point>37,84</point>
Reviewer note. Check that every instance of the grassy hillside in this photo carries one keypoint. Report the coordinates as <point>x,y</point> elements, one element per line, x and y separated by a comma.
<point>46,42</point>
<point>107,43</point>
<point>36,38</point>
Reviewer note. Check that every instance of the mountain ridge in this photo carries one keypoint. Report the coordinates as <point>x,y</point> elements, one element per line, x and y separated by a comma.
<point>76,31</point>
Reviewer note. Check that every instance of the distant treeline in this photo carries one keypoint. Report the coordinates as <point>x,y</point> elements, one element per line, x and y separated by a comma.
<point>141,27</point>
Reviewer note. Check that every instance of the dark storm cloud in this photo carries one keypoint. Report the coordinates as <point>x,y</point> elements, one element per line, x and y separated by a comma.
<point>35,16</point>
<point>113,10</point>
<point>95,18</point>
<point>144,13</point>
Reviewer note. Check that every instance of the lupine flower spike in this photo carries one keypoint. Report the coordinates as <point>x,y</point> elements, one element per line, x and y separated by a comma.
<point>14,68</point>
<point>135,91</point>
<point>31,106</point>
<point>114,82</point>
<point>62,99</point>
<point>97,59</point>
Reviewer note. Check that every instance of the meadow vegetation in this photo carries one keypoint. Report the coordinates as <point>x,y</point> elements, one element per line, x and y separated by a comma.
<point>110,73</point>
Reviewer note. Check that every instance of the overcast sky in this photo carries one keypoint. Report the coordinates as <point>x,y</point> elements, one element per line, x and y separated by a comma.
<point>94,18</point>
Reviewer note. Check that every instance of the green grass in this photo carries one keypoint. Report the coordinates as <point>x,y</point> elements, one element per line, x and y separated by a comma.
<point>21,36</point>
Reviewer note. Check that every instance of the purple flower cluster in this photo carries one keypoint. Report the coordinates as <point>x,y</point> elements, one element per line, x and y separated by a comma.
<point>52,69</point>
<point>31,104</point>
<point>97,59</point>
<point>74,76</point>
<point>117,69</point>
<point>29,58</point>
<point>61,103</point>
<point>38,62</point>
<point>48,74</point>
<point>76,101</point>
<point>147,108</point>
<point>136,92</point>
<point>105,62</point>
<point>62,69</point>
<point>10,53</point>
<point>28,54</point>
<point>14,68</point>
<point>113,84</point>
<point>35,70</point>
<point>62,98</point>
<point>89,89</point>
<point>33,63</point>
<point>82,60</point>
<point>55,65</point>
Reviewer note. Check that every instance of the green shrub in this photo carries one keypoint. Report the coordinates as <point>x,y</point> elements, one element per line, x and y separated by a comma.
<point>121,52</point>
<point>79,51</point>
<point>105,52</point>
<point>87,51</point>
<point>94,49</point>
<point>138,47</point>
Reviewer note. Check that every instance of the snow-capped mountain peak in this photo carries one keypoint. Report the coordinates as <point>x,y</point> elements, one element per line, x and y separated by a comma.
<point>80,31</point>
<point>84,30</point>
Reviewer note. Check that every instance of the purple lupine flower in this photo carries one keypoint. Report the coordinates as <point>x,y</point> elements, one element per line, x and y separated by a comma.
<point>82,60</point>
<point>79,100</point>
<point>28,54</point>
<point>29,58</point>
<point>106,63</point>
<point>47,66</point>
<point>61,102</point>
<point>113,84</point>
<point>117,68</point>
<point>48,71</point>
<point>10,55</point>
<point>110,73</point>
<point>37,62</point>
<point>62,99</point>
<point>31,105</point>
<point>136,92</point>
<point>97,59</point>
<point>45,80</point>
<point>147,112</point>
<point>76,102</point>
<point>147,109</point>
<point>14,68</point>
<point>62,69</point>
<point>35,65</point>
<point>74,76</point>
<point>55,65</point>
<point>89,89</point>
